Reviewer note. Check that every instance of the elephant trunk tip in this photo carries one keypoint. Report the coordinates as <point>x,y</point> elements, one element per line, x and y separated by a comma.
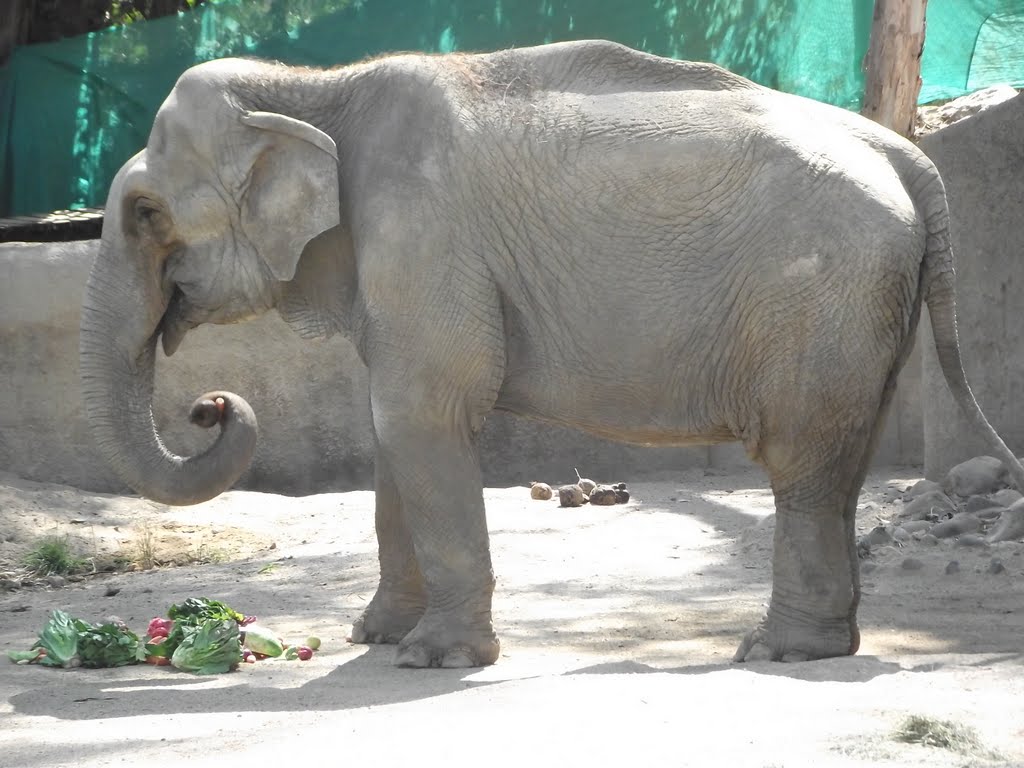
<point>228,458</point>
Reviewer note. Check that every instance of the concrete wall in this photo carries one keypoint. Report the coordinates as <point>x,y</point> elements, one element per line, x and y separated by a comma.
<point>982,163</point>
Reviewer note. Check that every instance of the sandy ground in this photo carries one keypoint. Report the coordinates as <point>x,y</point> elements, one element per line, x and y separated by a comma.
<point>617,626</point>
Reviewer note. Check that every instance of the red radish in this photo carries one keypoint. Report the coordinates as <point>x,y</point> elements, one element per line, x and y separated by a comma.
<point>159,626</point>
<point>305,653</point>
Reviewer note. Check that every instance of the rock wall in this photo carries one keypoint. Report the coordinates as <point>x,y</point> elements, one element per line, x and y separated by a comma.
<point>981,160</point>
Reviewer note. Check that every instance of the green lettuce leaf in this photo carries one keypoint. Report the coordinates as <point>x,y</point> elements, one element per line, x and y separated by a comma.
<point>192,613</point>
<point>60,640</point>
<point>211,648</point>
<point>21,657</point>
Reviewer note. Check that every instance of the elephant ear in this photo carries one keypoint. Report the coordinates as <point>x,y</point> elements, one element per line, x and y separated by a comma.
<point>292,194</point>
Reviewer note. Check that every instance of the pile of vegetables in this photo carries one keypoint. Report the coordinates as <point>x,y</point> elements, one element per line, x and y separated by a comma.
<point>200,635</point>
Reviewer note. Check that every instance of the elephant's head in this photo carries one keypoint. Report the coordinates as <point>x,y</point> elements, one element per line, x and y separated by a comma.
<point>202,226</point>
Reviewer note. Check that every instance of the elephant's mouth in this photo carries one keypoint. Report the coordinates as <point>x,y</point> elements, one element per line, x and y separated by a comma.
<point>175,323</point>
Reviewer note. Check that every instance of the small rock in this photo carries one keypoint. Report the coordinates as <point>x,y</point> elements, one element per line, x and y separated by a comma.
<point>111,591</point>
<point>971,540</point>
<point>929,540</point>
<point>953,566</point>
<point>911,564</point>
<point>868,567</point>
<point>899,533</point>
<point>1006,497</point>
<point>996,566</point>
<point>978,503</point>
<point>929,506</point>
<point>959,524</point>
<point>540,491</point>
<point>915,526</point>
<point>1010,525</point>
<point>570,496</point>
<point>982,474</point>
<point>9,585</point>
<point>56,581</point>
<point>990,514</point>
<point>876,538</point>
<point>922,487</point>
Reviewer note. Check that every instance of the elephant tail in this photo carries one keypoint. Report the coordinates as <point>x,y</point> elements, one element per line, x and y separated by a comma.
<point>938,289</point>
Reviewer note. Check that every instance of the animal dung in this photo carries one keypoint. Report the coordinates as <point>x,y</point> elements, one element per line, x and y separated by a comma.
<point>540,491</point>
<point>585,484</point>
<point>579,493</point>
<point>603,496</point>
<point>571,496</point>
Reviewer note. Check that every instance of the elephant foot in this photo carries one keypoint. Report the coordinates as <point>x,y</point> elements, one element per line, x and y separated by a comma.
<point>437,641</point>
<point>388,618</point>
<point>789,640</point>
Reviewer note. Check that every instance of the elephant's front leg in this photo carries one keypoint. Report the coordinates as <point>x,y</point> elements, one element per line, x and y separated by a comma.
<point>401,596</point>
<point>437,474</point>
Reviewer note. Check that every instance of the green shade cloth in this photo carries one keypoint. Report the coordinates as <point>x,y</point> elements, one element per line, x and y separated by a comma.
<point>72,112</point>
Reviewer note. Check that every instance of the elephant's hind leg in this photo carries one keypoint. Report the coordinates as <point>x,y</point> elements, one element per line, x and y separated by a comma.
<point>401,596</point>
<point>816,587</point>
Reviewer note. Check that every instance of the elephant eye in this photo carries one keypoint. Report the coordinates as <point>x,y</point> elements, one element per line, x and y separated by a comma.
<point>151,217</point>
<point>145,210</point>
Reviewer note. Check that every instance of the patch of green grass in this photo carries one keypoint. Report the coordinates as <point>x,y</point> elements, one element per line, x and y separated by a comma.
<point>943,734</point>
<point>145,545</point>
<point>205,555</point>
<point>54,555</point>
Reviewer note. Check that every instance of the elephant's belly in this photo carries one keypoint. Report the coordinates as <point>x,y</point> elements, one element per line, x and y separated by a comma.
<point>636,410</point>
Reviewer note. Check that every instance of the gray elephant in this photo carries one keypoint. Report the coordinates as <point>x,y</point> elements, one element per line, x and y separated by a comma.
<point>654,251</point>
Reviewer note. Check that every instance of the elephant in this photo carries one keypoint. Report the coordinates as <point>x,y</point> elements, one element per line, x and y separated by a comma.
<point>654,251</point>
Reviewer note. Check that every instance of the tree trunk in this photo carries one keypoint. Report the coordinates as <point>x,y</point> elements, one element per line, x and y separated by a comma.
<point>893,64</point>
<point>14,17</point>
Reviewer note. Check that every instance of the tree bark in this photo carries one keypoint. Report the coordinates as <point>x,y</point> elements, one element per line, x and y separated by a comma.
<point>14,18</point>
<point>42,21</point>
<point>893,64</point>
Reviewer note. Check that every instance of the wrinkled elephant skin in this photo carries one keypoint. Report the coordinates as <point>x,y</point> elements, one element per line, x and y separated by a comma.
<point>655,251</point>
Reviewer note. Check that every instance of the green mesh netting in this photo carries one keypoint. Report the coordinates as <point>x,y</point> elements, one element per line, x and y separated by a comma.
<point>72,112</point>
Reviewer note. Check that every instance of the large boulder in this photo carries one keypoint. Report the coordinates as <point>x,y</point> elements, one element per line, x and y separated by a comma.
<point>980,475</point>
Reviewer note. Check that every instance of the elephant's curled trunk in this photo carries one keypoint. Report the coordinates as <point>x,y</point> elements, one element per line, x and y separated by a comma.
<point>117,391</point>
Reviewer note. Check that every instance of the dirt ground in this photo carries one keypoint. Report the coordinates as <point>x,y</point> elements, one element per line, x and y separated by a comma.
<point>617,626</point>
